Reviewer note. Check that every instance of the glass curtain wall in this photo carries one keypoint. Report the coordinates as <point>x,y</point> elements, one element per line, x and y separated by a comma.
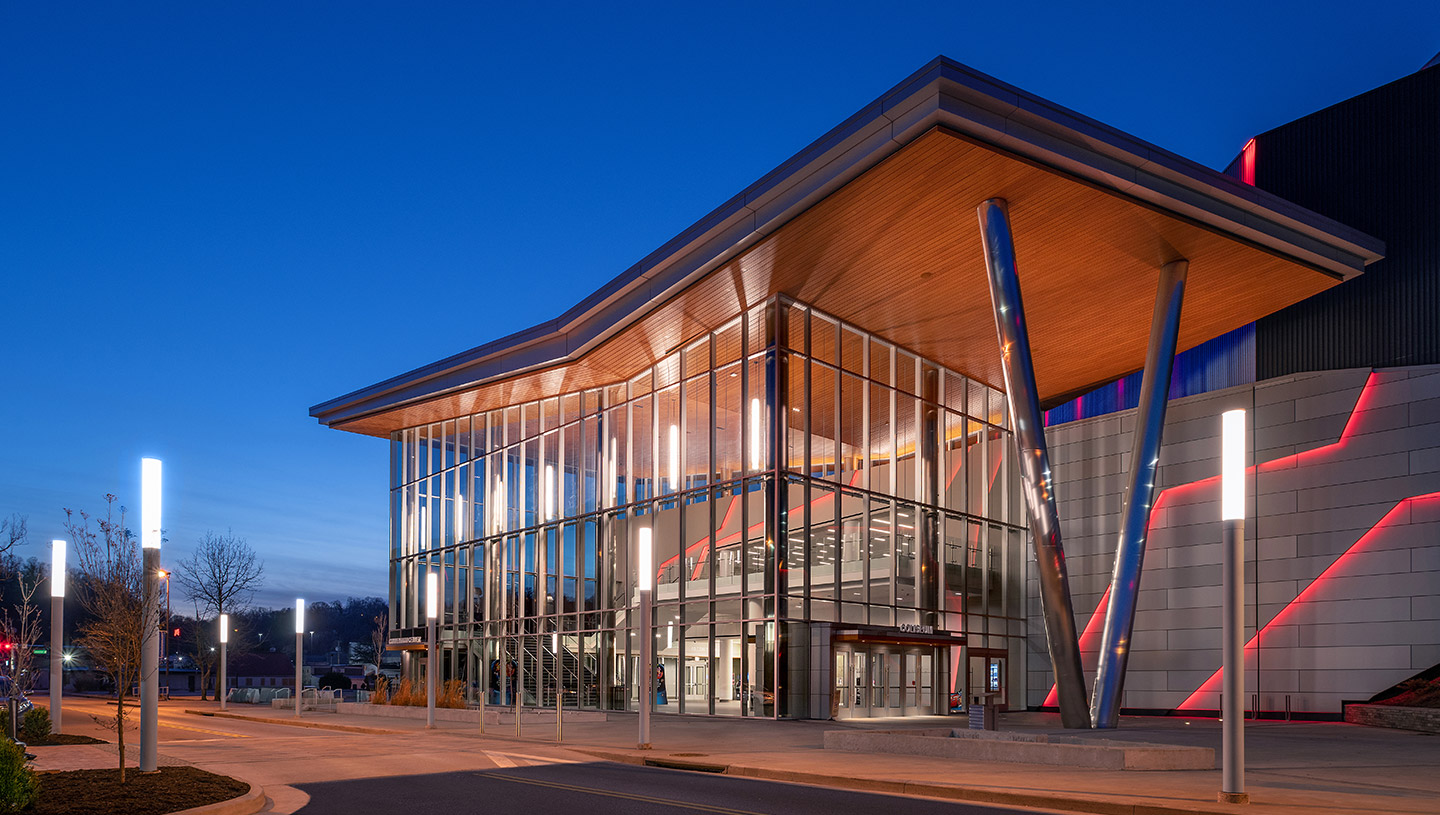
<point>794,470</point>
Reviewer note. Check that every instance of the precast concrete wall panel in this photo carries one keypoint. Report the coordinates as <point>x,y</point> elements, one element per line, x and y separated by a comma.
<point>1342,540</point>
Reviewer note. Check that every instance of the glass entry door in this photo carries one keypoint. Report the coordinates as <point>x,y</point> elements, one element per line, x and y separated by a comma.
<point>875,680</point>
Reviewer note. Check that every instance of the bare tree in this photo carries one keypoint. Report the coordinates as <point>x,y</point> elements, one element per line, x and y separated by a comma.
<point>111,589</point>
<point>21,626</point>
<point>219,578</point>
<point>380,635</point>
<point>222,575</point>
<point>13,532</point>
<point>206,641</point>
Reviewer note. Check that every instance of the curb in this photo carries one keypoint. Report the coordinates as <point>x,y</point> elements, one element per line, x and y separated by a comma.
<point>343,728</point>
<point>975,795</point>
<point>247,804</point>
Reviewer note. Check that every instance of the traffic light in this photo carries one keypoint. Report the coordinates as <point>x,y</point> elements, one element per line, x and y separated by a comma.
<point>176,632</point>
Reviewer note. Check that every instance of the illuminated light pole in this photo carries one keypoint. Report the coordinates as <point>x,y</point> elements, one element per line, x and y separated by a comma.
<point>150,629</point>
<point>165,631</point>
<point>647,670</point>
<point>224,642</point>
<point>432,612</point>
<point>57,630</point>
<point>1232,518</point>
<point>299,649</point>
<point>559,685</point>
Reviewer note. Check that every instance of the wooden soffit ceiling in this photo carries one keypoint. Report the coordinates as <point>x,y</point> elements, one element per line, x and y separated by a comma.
<point>897,251</point>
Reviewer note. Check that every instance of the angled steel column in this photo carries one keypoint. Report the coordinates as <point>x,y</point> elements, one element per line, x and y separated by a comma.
<point>1139,496</point>
<point>1029,425</point>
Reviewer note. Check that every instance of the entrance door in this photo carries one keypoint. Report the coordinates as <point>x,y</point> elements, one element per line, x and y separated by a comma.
<point>879,680</point>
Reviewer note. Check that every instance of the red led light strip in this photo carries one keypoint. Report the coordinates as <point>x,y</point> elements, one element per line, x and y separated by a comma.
<point>1400,510</point>
<point>1293,461</point>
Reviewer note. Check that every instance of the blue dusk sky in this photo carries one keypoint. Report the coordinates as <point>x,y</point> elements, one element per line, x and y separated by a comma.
<point>215,215</point>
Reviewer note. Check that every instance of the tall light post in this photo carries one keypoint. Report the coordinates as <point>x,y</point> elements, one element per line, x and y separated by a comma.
<point>164,574</point>
<point>432,612</point>
<point>299,649</point>
<point>150,631</point>
<point>224,641</point>
<point>1232,517</point>
<point>57,630</point>
<point>646,577</point>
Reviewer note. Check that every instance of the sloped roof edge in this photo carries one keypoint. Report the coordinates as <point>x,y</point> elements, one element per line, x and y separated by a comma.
<point>944,93</point>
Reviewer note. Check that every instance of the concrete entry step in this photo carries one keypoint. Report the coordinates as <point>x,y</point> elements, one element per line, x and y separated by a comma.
<point>1023,748</point>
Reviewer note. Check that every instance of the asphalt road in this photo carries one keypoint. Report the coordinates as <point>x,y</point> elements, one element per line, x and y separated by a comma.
<point>601,788</point>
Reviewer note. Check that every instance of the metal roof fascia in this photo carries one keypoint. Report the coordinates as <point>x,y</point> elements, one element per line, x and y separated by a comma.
<point>945,93</point>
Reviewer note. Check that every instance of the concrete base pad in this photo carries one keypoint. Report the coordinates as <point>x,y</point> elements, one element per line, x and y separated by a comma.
<point>1029,748</point>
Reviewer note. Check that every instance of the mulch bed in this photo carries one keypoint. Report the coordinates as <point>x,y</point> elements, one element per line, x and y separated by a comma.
<point>63,738</point>
<point>93,792</point>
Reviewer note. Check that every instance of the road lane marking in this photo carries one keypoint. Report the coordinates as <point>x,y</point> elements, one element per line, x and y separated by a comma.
<point>203,730</point>
<point>498,759</point>
<point>541,759</point>
<point>625,795</point>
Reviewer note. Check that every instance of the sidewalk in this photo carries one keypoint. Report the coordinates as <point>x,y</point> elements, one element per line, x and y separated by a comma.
<point>1292,767</point>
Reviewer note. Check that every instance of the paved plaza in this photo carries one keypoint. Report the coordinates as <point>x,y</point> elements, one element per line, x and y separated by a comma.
<point>1293,766</point>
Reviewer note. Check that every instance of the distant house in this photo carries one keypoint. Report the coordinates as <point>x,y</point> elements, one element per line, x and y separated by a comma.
<point>267,670</point>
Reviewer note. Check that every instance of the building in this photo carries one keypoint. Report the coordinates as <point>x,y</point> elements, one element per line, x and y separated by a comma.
<point>803,397</point>
<point>265,669</point>
<point>1343,567</point>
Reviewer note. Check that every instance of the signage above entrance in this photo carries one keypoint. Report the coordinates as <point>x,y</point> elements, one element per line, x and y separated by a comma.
<point>915,628</point>
<point>404,643</point>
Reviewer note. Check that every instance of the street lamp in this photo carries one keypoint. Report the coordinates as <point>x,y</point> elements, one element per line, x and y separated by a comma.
<point>57,630</point>
<point>645,560</point>
<point>1232,696</point>
<point>150,641</point>
<point>432,613</point>
<point>299,648</point>
<point>164,574</point>
<point>224,641</point>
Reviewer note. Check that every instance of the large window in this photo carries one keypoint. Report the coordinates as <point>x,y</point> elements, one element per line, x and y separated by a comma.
<point>890,475</point>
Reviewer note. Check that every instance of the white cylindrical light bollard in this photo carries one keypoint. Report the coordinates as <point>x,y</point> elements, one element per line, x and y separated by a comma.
<point>150,537</point>
<point>1232,518</point>
<point>57,631</point>
<point>224,643</point>
<point>299,650</point>
<point>432,666</point>
<point>645,576</point>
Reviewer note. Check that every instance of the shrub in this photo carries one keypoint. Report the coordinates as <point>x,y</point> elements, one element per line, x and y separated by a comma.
<point>19,785</point>
<point>452,695</point>
<point>35,724</point>
<point>381,696</point>
<point>407,694</point>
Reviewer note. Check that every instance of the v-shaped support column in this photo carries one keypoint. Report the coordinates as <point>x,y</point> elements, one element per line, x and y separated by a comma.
<point>1139,496</point>
<point>1037,482</point>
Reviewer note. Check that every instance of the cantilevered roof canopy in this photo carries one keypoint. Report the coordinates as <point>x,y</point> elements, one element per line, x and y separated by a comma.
<point>875,223</point>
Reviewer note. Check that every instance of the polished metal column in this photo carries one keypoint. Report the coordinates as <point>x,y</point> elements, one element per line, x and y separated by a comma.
<point>928,522</point>
<point>1139,496</point>
<point>1029,428</point>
